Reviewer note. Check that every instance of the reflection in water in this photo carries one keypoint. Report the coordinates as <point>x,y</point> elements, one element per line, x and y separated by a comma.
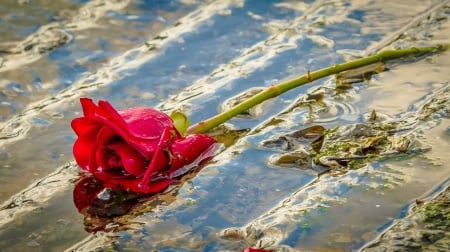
<point>100,205</point>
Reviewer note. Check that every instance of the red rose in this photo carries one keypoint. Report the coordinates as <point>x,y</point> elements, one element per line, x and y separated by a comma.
<point>138,149</point>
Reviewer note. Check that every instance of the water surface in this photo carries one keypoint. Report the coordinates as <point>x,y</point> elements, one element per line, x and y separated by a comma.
<point>194,56</point>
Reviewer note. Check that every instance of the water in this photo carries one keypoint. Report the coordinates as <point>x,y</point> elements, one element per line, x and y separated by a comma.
<point>195,55</point>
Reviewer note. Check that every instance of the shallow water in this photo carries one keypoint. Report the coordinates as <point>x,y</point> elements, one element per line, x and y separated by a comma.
<point>194,55</point>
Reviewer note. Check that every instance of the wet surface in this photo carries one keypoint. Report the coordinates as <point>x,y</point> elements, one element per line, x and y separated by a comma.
<point>261,190</point>
<point>425,228</point>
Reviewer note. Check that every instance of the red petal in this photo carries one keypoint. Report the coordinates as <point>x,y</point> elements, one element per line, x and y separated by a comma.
<point>82,152</point>
<point>112,113</point>
<point>145,127</point>
<point>188,149</point>
<point>84,125</point>
<point>141,127</point>
<point>158,160</point>
<point>146,123</point>
<point>104,137</point>
<point>132,161</point>
<point>140,122</point>
<point>88,106</point>
<point>107,135</point>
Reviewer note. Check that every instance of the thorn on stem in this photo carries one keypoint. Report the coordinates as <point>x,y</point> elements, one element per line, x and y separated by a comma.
<point>308,76</point>
<point>276,89</point>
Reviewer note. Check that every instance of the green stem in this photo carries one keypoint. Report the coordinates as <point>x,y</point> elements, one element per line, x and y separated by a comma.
<point>287,85</point>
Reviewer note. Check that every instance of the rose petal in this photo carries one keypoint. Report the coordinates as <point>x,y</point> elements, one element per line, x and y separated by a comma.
<point>85,125</point>
<point>92,110</point>
<point>141,127</point>
<point>112,113</point>
<point>82,150</point>
<point>88,106</point>
<point>93,164</point>
<point>186,150</point>
<point>146,123</point>
<point>104,137</point>
<point>130,160</point>
<point>145,127</point>
<point>159,160</point>
<point>140,122</point>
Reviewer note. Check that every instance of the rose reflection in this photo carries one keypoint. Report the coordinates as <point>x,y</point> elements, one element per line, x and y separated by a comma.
<point>107,209</point>
<point>103,207</point>
<point>99,205</point>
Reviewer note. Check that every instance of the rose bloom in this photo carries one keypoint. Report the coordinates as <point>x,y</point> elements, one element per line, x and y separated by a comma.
<point>137,149</point>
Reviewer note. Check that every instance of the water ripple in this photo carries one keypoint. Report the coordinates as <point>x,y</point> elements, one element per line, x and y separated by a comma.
<point>38,194</point>
<point>53,35</point>
<point>18,125</point>
<point>284,38</point>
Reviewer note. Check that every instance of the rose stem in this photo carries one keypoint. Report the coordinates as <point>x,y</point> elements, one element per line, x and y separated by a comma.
<point>284,86</point>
